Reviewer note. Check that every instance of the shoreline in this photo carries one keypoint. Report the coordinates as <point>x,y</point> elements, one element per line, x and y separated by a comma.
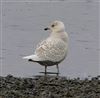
<point>49,87</point>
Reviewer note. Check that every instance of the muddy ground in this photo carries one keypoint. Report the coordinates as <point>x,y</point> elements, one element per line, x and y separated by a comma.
<point>49,87</point>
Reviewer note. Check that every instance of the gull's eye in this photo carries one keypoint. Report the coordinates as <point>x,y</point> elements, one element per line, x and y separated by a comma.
<point>52,25</point>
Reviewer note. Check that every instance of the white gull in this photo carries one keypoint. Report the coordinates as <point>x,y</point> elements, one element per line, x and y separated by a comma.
<point>52,50</point>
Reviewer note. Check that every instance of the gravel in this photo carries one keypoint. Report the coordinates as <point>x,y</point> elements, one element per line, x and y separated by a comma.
<point>49,87</point>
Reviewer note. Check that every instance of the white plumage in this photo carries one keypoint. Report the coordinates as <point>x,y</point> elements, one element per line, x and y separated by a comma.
<point>54,48</point>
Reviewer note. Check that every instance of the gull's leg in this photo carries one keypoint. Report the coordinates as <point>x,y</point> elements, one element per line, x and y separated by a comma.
<point>57,69</point>
<point>45,70</point>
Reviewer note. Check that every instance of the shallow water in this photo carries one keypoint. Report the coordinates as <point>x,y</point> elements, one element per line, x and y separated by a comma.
<point>22,29</point>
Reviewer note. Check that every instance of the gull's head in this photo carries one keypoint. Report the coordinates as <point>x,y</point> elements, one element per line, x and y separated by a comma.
<point>56,26</point>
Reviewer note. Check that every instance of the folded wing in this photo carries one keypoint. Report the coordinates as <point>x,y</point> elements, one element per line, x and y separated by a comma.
<point>52,50</point>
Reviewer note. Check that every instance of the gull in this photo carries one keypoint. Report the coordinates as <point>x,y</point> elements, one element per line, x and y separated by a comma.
<point>53,50</point>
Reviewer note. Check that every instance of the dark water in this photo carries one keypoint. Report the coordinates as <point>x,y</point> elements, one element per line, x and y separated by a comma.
<point>22,28</point>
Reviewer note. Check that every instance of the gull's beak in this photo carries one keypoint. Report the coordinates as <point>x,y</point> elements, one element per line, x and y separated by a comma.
<point>46,29</point>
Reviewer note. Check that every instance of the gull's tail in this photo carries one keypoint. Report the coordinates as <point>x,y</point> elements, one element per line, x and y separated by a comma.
<point>32,57</point>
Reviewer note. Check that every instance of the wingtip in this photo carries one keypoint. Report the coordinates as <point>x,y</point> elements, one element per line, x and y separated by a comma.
<point>24,57</point>
<point>33,57</point>
<point>27,57</point>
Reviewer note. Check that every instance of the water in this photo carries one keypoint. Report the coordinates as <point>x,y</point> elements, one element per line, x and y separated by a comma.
<point>22,28</point>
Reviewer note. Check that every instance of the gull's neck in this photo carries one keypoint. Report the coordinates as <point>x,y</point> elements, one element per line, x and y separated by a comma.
<point>60,31</point>
<point>61,34</point>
